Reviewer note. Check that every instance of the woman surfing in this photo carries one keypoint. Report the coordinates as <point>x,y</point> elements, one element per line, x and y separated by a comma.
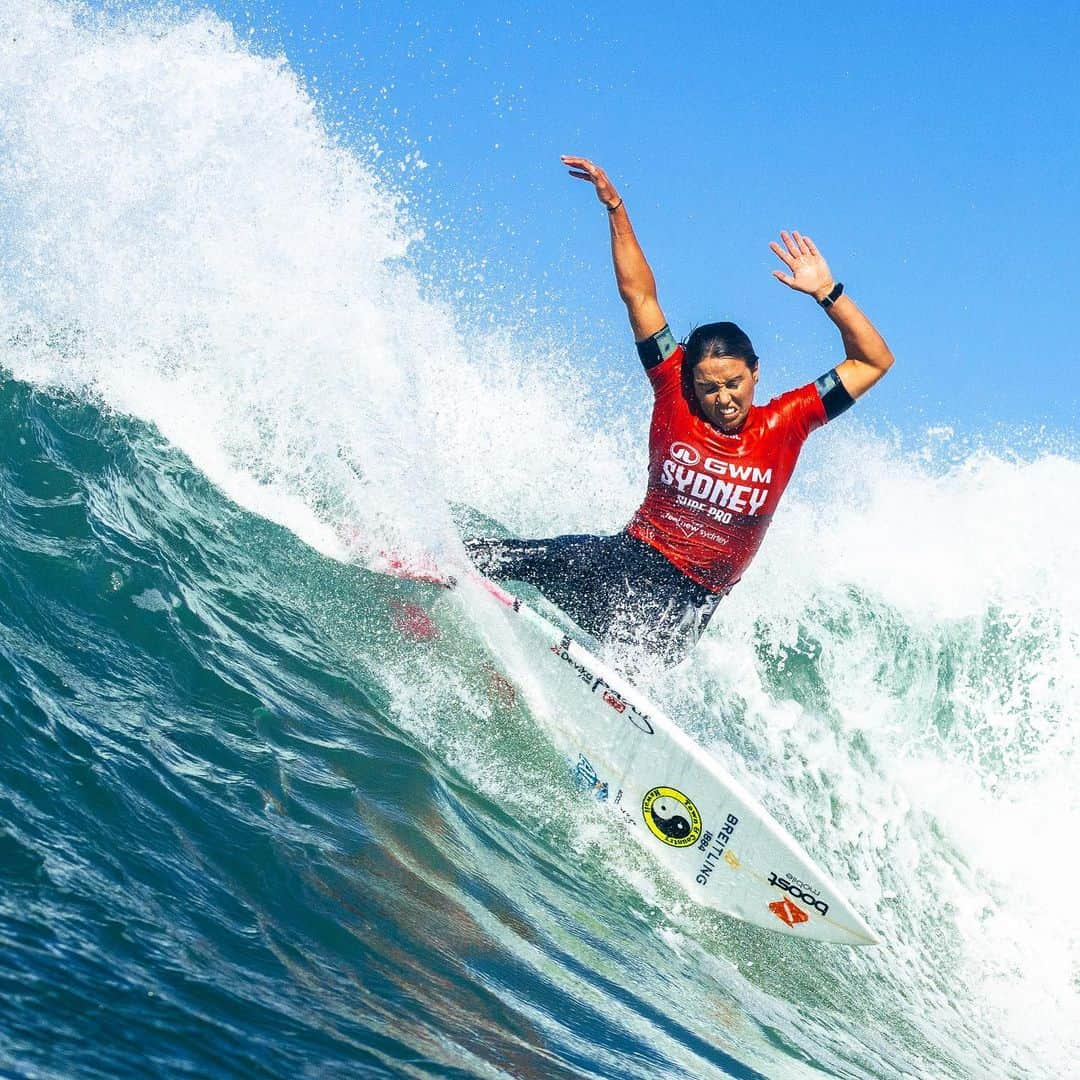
<point>718,462</point>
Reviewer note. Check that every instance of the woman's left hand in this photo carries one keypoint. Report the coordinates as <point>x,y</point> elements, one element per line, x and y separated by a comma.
<point>809,271</point>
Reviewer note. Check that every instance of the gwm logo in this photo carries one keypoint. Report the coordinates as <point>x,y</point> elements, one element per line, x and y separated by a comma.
<point>687,455</point>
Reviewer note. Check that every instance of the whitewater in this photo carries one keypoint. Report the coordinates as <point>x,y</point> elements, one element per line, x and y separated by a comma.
<point>247,829</point>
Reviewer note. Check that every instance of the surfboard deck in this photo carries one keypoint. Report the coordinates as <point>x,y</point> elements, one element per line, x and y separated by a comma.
<point>675,798</point>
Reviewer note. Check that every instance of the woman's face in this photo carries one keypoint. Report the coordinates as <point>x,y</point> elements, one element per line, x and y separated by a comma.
<point>724,388</point>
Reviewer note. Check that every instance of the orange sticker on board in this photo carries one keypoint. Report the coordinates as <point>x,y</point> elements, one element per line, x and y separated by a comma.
<point>788,912</point>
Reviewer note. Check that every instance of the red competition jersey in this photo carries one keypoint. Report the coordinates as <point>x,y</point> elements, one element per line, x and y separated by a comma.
<point>711,496</point>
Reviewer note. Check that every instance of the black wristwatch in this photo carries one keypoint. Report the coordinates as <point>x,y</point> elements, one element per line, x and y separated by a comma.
<point>834,294</point>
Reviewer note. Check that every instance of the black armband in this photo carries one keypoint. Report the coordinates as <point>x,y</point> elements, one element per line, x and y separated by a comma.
<point>834,395</point>
<point>656,349</point>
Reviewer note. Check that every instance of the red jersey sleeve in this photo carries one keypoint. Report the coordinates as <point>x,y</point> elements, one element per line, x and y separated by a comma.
<point>666,377</point>
<point>801,411</point>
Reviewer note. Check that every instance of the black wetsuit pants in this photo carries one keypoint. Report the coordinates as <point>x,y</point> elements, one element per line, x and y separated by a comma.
<point>614,587</point>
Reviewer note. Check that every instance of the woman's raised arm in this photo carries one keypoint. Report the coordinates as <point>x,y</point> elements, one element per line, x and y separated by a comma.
<point>868,357</point>
<point>637,286</point>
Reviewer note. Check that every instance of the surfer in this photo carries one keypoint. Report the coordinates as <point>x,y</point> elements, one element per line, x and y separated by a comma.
<point>718,463</point>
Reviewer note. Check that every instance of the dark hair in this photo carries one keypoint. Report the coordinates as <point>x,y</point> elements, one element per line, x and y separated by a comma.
<point>718,339</point>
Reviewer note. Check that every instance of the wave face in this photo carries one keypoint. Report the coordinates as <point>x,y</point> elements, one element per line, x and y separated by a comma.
<point>246,829</point>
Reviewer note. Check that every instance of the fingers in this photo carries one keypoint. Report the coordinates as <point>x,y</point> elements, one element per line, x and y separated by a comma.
<point>781,254</point>
<point>792,244</point>
<point>796,247</point>
<point>781,276</point>
<point>580,167</point>
<point>584,169</point>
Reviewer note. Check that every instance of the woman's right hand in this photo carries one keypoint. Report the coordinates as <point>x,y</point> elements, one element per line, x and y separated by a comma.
<point>584,169</point>
<point>632,274</point>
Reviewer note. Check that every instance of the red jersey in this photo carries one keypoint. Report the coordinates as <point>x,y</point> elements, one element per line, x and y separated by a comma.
<point>711,496</point>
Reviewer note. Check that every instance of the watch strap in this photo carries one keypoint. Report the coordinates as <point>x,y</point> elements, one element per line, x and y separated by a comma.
<point>834,294</point>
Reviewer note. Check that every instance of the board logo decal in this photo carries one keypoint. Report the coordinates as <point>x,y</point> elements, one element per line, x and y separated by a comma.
<point>718,850</point>
<point>788,912</point>
<point>587,779</point>
<point>596,684</point>
<point>799,890</point>
<point>671,817</point>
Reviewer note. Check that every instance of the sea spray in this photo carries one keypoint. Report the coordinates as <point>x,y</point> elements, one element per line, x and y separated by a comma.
<point>223,268</point>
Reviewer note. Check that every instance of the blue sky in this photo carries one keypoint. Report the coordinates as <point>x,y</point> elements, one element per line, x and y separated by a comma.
<point>931,151</point>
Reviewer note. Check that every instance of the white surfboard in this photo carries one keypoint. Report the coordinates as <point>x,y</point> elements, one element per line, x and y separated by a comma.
<point>676,799</point>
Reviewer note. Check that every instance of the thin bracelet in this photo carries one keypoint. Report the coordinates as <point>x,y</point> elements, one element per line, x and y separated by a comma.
<point>612,209</point>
